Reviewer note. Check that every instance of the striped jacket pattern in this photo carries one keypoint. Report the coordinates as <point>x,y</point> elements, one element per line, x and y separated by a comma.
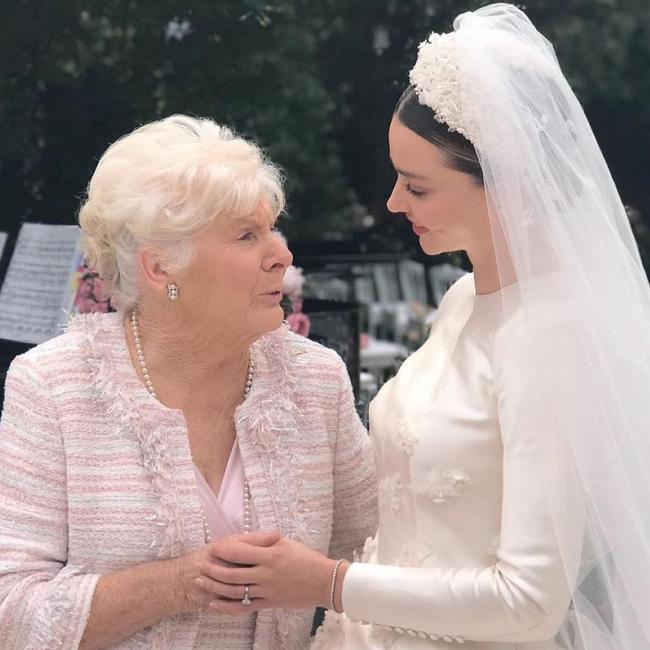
<point>96,476</point>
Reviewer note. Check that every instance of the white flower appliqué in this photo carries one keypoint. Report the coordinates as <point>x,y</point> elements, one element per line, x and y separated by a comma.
<point>441,485</point>
<point>391,492</point>
<point>383,636</point>
<point>369,549</point>
<point>403,438</point>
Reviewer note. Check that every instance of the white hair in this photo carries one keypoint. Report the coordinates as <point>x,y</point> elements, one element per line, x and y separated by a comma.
<point>159,186</point>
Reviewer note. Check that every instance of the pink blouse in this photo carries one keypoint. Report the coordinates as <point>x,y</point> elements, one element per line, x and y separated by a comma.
<point>224,510</point>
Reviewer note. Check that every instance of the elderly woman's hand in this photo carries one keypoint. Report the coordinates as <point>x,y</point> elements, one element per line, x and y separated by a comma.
<point>286,574</point>
<point>191,569</point>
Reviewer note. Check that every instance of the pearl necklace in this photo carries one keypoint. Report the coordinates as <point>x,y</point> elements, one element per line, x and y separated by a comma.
<point>147,380</point>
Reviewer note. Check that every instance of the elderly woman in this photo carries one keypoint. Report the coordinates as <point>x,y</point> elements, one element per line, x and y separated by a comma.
<point>133,442</point>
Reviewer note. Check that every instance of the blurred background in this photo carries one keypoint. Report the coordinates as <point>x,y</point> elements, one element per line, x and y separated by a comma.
<point>315,83</point>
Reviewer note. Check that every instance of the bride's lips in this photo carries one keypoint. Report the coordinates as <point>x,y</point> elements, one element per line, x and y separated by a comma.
<point>417,229</point>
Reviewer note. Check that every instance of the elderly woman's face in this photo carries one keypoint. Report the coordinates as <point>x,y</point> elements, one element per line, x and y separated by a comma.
<point>235,279</point>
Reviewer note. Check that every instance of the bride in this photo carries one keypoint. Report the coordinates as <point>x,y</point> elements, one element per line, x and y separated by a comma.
<point>513,447</point>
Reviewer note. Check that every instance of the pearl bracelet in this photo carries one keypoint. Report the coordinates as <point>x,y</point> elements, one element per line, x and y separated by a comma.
<point>333,588</point>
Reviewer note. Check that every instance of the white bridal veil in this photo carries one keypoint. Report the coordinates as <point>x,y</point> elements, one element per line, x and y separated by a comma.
<point>583,303</point>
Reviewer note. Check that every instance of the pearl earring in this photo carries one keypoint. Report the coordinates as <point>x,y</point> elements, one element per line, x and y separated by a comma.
<point>172,291</point>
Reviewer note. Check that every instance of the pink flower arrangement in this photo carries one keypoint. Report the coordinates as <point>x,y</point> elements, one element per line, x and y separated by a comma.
<point>91,293</point>
<point>292,288</point>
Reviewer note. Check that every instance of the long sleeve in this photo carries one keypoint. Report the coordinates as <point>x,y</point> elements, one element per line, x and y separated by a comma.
<point>355,481</point>
<point>523,596</point>
<point>44,602</point>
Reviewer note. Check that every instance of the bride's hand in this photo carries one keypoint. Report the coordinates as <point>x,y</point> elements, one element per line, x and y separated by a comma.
<point>189,568</point>
<point>286,574</point>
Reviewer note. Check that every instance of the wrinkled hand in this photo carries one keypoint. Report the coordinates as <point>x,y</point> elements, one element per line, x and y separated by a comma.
<point>285,574</point>
<point>193,598</point>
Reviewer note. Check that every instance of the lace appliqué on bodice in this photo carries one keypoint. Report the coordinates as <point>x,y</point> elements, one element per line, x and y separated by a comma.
<point>441,485</point>
<point>390,492</point>
<point>403,437</point>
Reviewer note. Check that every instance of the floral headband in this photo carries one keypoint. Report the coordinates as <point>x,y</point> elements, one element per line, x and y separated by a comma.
<point>435,78</point>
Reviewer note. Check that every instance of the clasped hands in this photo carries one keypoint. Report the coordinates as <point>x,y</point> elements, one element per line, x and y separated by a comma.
<point>281,573</point>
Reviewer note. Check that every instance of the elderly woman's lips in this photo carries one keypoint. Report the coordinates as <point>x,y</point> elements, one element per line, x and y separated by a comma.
<point>272,296</point>
<point>419,230</point>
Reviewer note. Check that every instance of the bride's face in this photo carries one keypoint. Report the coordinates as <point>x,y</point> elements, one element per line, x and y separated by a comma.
<point>447,208</point>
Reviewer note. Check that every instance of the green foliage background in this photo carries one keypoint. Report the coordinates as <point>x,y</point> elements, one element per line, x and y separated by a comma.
<point>313,82</point>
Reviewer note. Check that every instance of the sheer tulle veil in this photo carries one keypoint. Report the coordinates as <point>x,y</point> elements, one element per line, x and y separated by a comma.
<point>562,235</point>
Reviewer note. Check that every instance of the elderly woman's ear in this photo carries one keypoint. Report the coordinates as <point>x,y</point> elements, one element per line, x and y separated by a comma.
<point>153,272</point>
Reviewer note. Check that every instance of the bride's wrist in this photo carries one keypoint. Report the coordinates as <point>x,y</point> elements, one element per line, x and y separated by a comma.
<point>336,587</point>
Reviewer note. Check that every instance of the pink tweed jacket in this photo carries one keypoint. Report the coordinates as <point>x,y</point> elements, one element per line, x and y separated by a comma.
<point>96,475</point>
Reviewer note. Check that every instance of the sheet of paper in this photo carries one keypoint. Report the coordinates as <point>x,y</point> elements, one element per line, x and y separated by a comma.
<point>36,289</point>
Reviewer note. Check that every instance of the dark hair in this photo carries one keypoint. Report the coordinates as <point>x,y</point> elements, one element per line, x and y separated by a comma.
<point>459,152</point>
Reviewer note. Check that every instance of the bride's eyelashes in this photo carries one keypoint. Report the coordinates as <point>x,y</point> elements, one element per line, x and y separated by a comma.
<point>415,193</point>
